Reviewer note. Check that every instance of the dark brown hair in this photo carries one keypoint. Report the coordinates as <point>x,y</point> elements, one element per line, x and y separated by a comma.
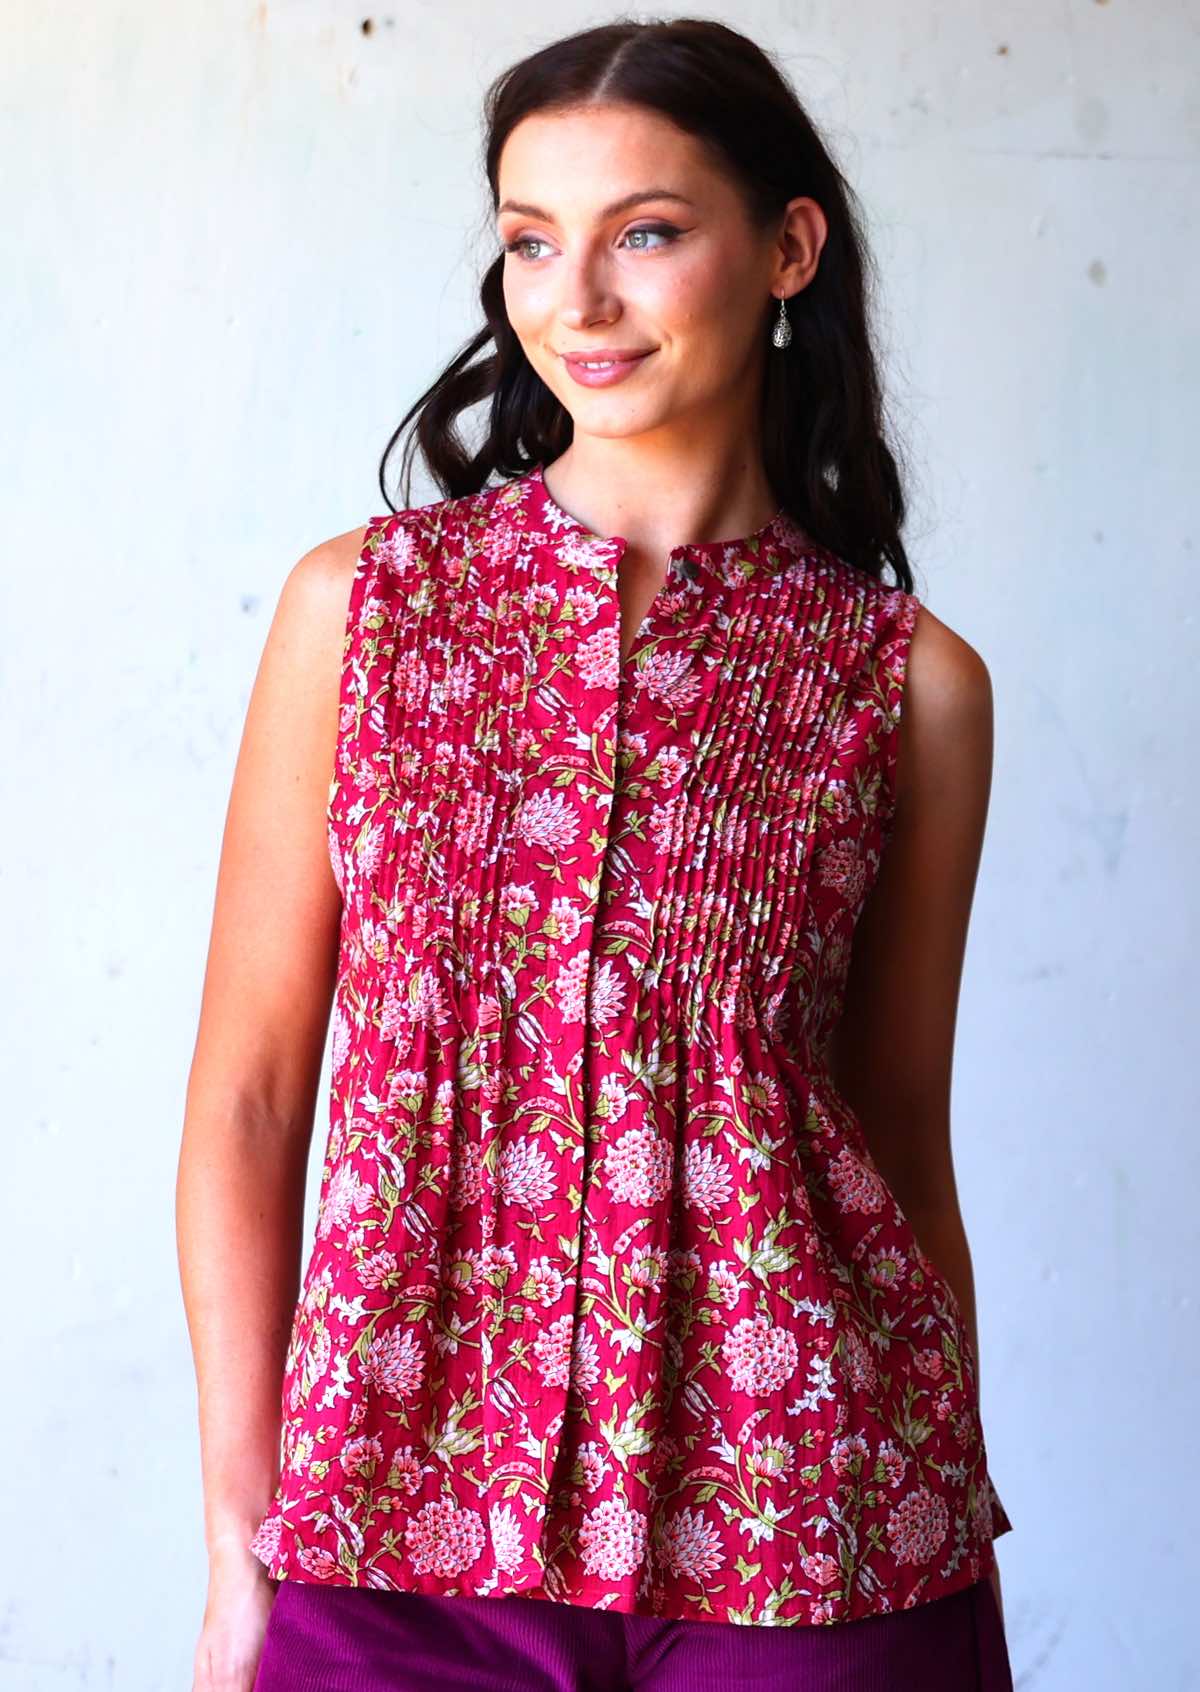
<point>824,451</point>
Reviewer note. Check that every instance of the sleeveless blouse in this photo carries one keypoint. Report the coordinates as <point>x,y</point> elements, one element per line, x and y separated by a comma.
<point>607,1301</point>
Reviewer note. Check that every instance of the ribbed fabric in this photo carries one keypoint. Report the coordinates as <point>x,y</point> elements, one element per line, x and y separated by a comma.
<point>342,1639</point>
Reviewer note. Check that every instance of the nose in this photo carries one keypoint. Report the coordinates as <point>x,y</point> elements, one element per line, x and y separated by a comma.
<point>587,296</point>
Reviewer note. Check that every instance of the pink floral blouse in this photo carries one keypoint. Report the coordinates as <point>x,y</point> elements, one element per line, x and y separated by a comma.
<point>608,1303</point>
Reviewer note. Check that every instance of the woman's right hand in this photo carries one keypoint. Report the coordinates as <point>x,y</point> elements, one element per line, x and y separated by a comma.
<point>240,1595</point>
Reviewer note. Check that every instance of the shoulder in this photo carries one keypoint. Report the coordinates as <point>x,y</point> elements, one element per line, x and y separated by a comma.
<point>946,723</point>
<point>321,579</point>
<point>948,680</point>
<point>308,628</point>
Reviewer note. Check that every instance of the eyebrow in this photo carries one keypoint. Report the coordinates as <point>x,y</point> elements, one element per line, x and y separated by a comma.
<point>610,210</point>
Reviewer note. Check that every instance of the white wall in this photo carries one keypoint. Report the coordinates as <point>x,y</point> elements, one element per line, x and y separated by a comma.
<point>237,240</point>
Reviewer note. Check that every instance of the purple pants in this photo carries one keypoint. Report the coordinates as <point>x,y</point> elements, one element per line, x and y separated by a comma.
<point>357,1639</point>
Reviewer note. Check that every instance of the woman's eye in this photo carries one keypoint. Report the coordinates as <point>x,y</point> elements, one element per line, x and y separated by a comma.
<point>665,230</point>
<point>522,241</point>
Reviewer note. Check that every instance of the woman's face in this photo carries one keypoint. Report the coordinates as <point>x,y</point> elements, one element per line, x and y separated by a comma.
<point>675,273</point>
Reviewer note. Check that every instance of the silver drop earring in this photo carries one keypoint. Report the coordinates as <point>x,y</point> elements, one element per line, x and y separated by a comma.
<point>781,333</point>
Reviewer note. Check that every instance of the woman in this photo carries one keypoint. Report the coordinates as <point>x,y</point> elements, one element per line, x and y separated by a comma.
<point>639,1297</point>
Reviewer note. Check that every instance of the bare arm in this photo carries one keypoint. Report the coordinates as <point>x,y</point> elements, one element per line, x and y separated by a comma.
<point>251,1090</point>
<point>893,1048</point>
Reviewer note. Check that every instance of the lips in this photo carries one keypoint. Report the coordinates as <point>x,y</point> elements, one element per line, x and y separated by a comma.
<point>608,355</point>
<point>604,367</point>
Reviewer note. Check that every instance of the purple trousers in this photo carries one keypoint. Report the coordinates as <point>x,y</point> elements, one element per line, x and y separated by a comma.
<point>357,1639</point>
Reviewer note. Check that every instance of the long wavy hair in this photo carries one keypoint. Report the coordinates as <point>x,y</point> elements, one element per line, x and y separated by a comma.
<point>824,451</point>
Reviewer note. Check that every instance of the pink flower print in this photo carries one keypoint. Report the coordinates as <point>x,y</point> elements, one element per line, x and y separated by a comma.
<point>450,1335</point>
<point>397,552</point>
<point>929,1363</point>
<point>345,1196</point>
<point>537,601</point>
<point>770,1457</point>
<point>404,1473</point>
<point>579,552</point>
<point>671,762</point>
<point>760,1358</point>
<point>508,1539</point>
<point>564,921</point>
<point>855,1186</point>
<point>707,1178</point>
<point>570,983</point>
<point>443,1539</point>
<point>518,903</point>
<point>821,1568</point>
<point>426,1001</point>
<point>265,1544</point>
<point>841,866</point>
<point>662,825</point>
<point>612,1099</point>
<point>395,1363</point>
<point>637,1167</point>
<point>368,848</point>
<point>981,1515</point>
<point>321,1565</point>
<point>887,1268</point>
<point>917,1526</point>
<point>592,1465</point>
<point>723,1284</point>
<point>544,1283</point>
<point>837,802</point>
<point>857,1363</point>
<point>731,832</point>
<point>669,677</point>
<point>361,1456</point>
<point>800,1203</point>
<point>893,1462</point>
<point>597,658</point>
<point>690,1546</point>
<point>466,1173</point>
<point>412,682</point>
<point>607,996</point>
<point>850,1455</point>
<point>547,821</point>
<point>963,1426</point>
<point>497,1263</point>
<point>585,1363</point>
<point>313,1362</point>
<point>406,1090</point>
<point>526,1174</point>
<point>552,1352</point>
<point>343,1038</point>
<point>685,1262</point>
<point>762,1094</point>
<point>454,1276</point>
<point>377,1269</point>
<point>472,822</point>
<point>612,1540</point>
<point>647,1269</point>
<point>584,603</point>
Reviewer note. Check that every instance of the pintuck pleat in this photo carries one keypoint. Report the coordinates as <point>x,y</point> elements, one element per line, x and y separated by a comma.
<point>608,1303</point>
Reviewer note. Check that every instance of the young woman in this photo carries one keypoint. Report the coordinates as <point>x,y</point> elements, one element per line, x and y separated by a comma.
<point>636,1345</point>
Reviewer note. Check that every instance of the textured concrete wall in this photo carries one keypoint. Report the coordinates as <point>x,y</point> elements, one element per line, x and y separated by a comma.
<point>237,240</point>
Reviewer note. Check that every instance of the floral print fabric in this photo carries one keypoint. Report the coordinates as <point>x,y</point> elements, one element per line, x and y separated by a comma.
<point>608,1303</point>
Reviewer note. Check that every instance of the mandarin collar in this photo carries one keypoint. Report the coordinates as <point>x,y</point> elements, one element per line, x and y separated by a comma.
<point>778,540</point>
